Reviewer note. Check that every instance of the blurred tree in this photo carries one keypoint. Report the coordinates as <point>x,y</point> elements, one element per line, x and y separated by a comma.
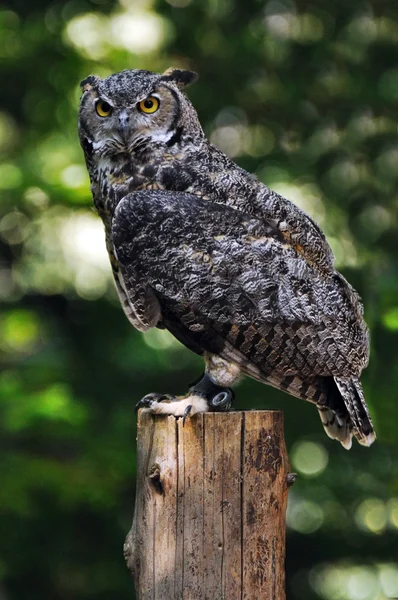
<point>303,93</point>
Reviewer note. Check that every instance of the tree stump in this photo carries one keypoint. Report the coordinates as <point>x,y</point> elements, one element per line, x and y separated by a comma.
<point>209,519</point>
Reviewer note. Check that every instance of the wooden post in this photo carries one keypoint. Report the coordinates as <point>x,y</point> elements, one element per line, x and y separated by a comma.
<point>209,520</point>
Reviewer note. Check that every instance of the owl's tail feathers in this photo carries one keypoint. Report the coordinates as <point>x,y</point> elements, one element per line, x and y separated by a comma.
<point>336,425</point>
<point>354,399</point>
<point>347,414</point>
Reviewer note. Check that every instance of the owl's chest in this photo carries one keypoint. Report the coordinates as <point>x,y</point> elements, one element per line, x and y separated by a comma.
<point>115,180</point>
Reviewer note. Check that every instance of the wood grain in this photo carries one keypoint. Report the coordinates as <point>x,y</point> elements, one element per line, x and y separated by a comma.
<point>209,519</point>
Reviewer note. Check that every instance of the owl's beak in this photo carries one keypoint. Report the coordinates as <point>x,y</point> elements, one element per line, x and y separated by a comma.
<point>123,123</point>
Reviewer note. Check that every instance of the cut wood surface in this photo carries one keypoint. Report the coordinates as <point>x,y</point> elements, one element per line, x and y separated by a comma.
<point>209,519</point>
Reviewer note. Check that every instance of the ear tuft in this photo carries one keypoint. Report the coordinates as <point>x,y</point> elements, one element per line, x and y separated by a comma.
<point>88,83</point>
<point>181,77</point>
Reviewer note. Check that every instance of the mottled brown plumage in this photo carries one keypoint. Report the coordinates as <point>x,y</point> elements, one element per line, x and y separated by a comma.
<point>202,248</point>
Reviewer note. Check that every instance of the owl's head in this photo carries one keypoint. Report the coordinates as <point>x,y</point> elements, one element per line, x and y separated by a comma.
<point>135,109</point>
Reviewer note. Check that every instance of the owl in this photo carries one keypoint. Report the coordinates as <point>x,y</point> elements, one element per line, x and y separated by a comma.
<point>202,248</point>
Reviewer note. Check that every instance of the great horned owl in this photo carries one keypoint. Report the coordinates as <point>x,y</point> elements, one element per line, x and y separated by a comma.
<point>233,270</point>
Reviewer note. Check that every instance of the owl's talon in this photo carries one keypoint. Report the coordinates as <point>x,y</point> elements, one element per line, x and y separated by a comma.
<point>164,404</point>
<point>149,399</point>
<point>205,395</point>
<point>186,414</point>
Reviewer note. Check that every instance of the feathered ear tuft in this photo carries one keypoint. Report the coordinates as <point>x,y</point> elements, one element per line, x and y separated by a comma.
<point>181,77</point>
<point>88,83</point>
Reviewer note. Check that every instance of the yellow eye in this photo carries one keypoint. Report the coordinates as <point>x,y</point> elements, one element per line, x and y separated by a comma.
<point>103,108</point>
<point>149,105</point>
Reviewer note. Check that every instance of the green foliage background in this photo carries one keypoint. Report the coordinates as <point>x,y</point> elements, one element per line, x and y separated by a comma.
<point>305,94</point>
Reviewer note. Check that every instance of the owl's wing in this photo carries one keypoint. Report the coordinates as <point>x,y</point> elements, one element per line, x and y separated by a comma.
<point>229,284</point>
<point>296,227</point>
<point>233,186</point>
<point>138,301</point>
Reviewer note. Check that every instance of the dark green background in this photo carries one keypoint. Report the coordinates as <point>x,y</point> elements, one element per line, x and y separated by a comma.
<point>304,94</point>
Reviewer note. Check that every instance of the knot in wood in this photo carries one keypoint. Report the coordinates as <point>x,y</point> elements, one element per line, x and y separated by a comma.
<point>155,478</point>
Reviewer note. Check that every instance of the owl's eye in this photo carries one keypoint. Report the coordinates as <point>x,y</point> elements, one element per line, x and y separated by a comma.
<point>103,108</point>
<point>149,105</point>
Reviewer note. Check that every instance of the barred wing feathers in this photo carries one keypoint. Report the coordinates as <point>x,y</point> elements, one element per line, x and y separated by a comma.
<point>228,283</point>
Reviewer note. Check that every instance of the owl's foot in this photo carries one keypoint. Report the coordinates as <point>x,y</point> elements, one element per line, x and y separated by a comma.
<point>164,404</point>
<point>204,396</point>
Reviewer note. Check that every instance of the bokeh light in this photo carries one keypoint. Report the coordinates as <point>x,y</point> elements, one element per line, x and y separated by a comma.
<point>304,516</point>
<point>371,515</point>
<point>309,458</point>
<point>355,582</point>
